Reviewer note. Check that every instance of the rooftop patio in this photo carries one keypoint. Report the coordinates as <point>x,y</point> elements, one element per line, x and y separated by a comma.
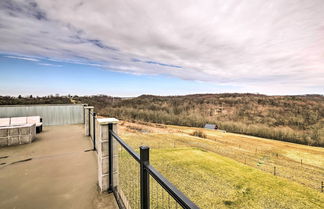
<point>57,170</point>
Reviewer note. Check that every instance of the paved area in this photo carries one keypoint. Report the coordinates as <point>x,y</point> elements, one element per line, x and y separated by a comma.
<point>52,172</point>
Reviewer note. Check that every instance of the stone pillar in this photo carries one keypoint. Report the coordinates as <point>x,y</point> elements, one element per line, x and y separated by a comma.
<point>87,118</point>
<point>103,153</point>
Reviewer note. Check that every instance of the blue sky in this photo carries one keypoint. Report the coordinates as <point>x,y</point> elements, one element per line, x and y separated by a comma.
<point>26,77</point>
<point>129,48</point>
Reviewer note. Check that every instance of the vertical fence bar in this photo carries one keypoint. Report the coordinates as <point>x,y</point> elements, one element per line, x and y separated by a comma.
<point>89,121</point>
<point>144,177</point>
<point>94,130</point>
<point>110,160</point>
<point>87,117</point>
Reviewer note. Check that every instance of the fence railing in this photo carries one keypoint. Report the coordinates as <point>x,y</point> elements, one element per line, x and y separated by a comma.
<point>92,131</point>
<point>140,184</point>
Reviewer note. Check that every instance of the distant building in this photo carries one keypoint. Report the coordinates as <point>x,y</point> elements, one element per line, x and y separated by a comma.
<point>211,126</point>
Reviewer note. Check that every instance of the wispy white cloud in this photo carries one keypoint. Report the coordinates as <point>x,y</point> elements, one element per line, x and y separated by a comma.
<point>23,58</point>
<point>49,64</point>
<point>274,46</point>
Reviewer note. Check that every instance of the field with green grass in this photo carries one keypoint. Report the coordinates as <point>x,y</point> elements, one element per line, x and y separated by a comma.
<point>227,170</point>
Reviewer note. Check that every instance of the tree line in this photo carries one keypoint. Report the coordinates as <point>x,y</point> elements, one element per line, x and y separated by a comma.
<point>298,119</point>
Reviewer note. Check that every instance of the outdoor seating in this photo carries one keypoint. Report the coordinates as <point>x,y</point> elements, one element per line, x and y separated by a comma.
<point>4,122</point>
<point>20,121</point>
<point>37,120</point>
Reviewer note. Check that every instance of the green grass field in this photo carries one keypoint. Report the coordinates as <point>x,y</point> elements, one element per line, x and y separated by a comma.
<point>214,180</point>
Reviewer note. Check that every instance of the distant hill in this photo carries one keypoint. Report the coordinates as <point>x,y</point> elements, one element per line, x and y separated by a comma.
<point>8,100</point>
<point>298,119</point>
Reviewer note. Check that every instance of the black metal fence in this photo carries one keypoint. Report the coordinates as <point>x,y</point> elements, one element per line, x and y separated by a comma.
<point>140,184</point>
<point>92,123</point>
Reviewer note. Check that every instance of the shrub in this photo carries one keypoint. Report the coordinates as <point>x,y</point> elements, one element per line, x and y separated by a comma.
<point>199,133</point>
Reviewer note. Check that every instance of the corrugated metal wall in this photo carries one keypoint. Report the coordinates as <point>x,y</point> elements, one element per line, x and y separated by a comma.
<point>51,114</point>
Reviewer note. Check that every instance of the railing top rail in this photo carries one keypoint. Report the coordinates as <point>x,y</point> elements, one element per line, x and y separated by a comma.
<point>171,189</point>
<point>126,146</point>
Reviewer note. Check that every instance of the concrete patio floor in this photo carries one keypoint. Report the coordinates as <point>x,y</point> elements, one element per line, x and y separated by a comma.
<point>56,173</point>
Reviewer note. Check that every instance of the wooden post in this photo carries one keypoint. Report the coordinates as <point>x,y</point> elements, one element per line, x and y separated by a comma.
<point>322,186</point>
<point>301,162</point>
<point>274,170</point>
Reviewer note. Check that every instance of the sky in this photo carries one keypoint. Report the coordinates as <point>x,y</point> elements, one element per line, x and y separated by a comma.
<point>134,47</point>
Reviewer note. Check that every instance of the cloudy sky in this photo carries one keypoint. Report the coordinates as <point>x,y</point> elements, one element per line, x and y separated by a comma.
<point>132,47</point>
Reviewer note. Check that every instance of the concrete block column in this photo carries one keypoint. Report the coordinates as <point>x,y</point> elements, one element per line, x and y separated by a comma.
<point>14,135</point>
<point>103,153</point>
<point>87,119</point>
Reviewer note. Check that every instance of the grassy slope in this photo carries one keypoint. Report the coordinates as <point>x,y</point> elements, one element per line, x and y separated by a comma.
<point>260,153</point>
<point>310,155</point>
<point>215,181</point>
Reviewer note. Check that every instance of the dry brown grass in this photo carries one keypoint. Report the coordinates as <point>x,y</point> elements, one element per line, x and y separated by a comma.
<point>300,163</point>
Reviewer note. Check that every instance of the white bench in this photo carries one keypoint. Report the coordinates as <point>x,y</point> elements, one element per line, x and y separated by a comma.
<point>37,120</point>
<point>4,122</point>
<point>19,121</point>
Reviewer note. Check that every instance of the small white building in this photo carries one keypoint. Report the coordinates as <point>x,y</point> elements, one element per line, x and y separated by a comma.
<point>211,126</point>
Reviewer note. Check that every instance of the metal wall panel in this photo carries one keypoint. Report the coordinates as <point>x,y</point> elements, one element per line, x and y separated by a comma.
<point>51,114</point>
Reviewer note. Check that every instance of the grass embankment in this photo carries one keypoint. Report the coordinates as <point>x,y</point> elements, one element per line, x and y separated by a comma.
<point>203,170</point>
<point>214,181</point>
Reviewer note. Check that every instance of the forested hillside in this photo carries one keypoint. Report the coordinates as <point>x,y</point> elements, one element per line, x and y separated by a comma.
<point>297,119</point>
<point>8,100</point>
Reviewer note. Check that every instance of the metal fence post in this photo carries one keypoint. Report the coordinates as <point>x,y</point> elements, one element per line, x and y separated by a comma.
<point>94,130</point>
<point>89,121</point>
<point>110,160</point>
<point>144,177</point>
